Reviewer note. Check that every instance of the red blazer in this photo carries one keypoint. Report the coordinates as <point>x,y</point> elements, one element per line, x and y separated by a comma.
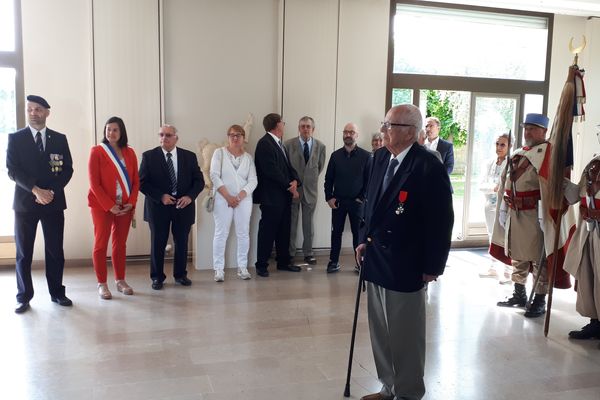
<point>103,179</point>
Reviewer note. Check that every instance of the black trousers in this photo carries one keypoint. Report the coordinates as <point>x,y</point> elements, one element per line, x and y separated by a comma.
<point>274,226</point>
<point>53,226</point>
<point>352,209</point>
<point>169,219</point>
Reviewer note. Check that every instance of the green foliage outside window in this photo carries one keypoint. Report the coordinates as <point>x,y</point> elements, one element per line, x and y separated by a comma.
<point>442,108</point>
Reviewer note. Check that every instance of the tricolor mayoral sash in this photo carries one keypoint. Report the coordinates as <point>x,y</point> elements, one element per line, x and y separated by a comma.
<point>122,175</point>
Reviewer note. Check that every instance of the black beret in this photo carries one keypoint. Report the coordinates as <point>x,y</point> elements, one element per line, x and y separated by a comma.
<point>38,99</point>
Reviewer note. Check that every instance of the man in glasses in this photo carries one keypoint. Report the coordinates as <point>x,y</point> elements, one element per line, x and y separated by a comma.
<point>408,197</point>
<point>436,143</point>
<point>345,191</point>
<point>307,156</point>
<point>171,179</point>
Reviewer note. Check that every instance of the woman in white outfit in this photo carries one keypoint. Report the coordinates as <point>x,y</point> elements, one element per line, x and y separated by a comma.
<point>233,176</point>
<point>489,187</point>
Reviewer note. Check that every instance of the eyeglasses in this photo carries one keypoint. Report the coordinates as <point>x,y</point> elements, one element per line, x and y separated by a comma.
<point>305,126</point>
<point>235,135</point>
<point>387,125</point>
<point>166,135</point>
<point>348,132</point>
<point>501,144</point>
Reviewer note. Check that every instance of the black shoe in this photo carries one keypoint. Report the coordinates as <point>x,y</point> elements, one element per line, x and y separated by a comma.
<point>310,260</point>
<point>333,267</point>
<point>518,299</point>
<point>262,272</point>
<point>537,307</point>
<point>22,307</point>
<point>62,300</point>
<point>590,331</point>
<point>289,267</point>
<point>185,281</point>
<point>156,284</point>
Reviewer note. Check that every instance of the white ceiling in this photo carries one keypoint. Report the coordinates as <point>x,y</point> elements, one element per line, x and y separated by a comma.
<point>583,8</point>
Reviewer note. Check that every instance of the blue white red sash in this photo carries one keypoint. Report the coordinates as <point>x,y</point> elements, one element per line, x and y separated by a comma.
<point>122,174</point>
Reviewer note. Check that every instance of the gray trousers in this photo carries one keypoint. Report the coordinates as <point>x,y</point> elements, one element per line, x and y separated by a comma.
<point>308,211</point>
<point>397,327</point>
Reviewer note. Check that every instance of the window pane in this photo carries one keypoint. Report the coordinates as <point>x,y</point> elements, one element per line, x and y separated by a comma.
<point>8,124</point>
<point>450,42</point>
<point>401,96</point>
<point>7,25</point>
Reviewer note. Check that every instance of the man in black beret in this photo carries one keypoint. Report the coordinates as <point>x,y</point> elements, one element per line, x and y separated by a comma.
<point>39,161</point>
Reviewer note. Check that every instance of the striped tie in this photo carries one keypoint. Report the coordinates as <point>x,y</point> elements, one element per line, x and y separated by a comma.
<point>38,142</point>
<point>172,173</point>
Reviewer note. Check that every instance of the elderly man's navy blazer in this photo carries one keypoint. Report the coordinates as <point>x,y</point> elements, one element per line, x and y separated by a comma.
<point>403,243</point>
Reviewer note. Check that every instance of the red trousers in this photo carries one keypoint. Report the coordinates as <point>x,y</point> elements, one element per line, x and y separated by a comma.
<point>106,223</point>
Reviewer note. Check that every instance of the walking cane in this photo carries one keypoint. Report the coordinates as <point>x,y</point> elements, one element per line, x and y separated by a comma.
<point>358,290</point>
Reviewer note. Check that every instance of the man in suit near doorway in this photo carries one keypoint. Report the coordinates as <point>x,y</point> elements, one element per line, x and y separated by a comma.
<point>307,156</point>
<point>278,183</point>
<point>436,143</point>
<point>39,161</point>
<point>171,179</point>
<point>408,198</point>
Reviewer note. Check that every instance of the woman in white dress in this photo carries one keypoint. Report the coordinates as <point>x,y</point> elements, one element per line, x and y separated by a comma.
<point>489,187</point>
<point>233,175</point>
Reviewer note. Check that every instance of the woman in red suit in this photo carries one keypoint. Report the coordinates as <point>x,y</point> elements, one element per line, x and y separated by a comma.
<point>114,187</point>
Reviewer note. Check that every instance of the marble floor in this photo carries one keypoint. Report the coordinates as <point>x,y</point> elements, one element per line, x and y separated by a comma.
<point>284,337</point>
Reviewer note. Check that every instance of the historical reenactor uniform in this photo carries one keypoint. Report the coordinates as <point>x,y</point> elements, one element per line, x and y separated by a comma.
<point>523,231</point>
<point>583,257</point>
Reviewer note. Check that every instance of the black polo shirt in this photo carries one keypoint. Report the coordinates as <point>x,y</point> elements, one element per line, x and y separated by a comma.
<point>345,175</point>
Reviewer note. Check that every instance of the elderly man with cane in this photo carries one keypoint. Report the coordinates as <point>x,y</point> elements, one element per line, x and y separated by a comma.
<point>408,197</point>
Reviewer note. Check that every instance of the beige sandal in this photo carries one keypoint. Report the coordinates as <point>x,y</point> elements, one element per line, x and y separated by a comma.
<point>104,292</point>
<point>124,288</point>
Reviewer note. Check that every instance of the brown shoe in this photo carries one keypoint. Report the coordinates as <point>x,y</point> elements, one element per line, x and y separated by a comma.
<point>376,396</point>
<point>124,288</point>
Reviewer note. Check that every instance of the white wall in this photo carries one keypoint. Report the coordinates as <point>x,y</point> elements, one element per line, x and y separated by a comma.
<point>222,60</point>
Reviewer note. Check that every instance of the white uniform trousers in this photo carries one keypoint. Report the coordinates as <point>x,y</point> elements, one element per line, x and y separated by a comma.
<point>397,326</point>
<point>223,215</point>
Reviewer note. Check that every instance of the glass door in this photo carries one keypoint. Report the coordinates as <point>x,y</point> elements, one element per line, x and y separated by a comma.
<point>491,115</point>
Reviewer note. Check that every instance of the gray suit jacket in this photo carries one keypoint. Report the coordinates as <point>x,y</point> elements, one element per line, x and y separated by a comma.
<point>308,172</point>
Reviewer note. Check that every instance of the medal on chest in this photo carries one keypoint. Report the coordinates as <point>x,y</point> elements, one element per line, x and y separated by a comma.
<point>402,196</point>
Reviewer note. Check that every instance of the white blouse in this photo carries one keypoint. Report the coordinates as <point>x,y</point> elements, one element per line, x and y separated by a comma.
<point>236,173</point>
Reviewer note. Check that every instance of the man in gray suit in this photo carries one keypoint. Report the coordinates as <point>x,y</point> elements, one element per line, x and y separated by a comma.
<point>307,156</point>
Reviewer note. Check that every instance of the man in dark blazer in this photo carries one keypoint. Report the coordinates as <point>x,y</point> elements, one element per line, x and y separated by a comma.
<point>408,198</point>
<point>307,156</point>
<point>436,143</point>
<point>39,161</point>
<point>171,179</point>
<point>277,184</point>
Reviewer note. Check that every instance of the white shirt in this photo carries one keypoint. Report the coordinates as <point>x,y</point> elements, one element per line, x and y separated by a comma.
<point>400,157</point>
<point>432,145</point>
<point>42,132</point>
<point>279,143</point>
<point>310,144</point>
<point>235,179</point>
<point>173,157</point>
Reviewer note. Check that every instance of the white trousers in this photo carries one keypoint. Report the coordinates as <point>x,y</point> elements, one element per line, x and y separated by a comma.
<point>223,215</point>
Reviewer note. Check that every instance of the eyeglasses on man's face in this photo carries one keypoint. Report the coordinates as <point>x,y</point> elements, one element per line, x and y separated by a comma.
<point>387,125</point>
<point>166,135</point>
<point>348,132</point>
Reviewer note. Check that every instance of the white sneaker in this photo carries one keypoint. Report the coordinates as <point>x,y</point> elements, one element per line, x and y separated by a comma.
<point>219,275</point>
<point>244,274</point>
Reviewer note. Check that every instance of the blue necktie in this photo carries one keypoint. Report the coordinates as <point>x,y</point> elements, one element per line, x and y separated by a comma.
<point>389,174</point>
<point>306,153</point>
<point>38,141</point>
<point>172,173</point>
